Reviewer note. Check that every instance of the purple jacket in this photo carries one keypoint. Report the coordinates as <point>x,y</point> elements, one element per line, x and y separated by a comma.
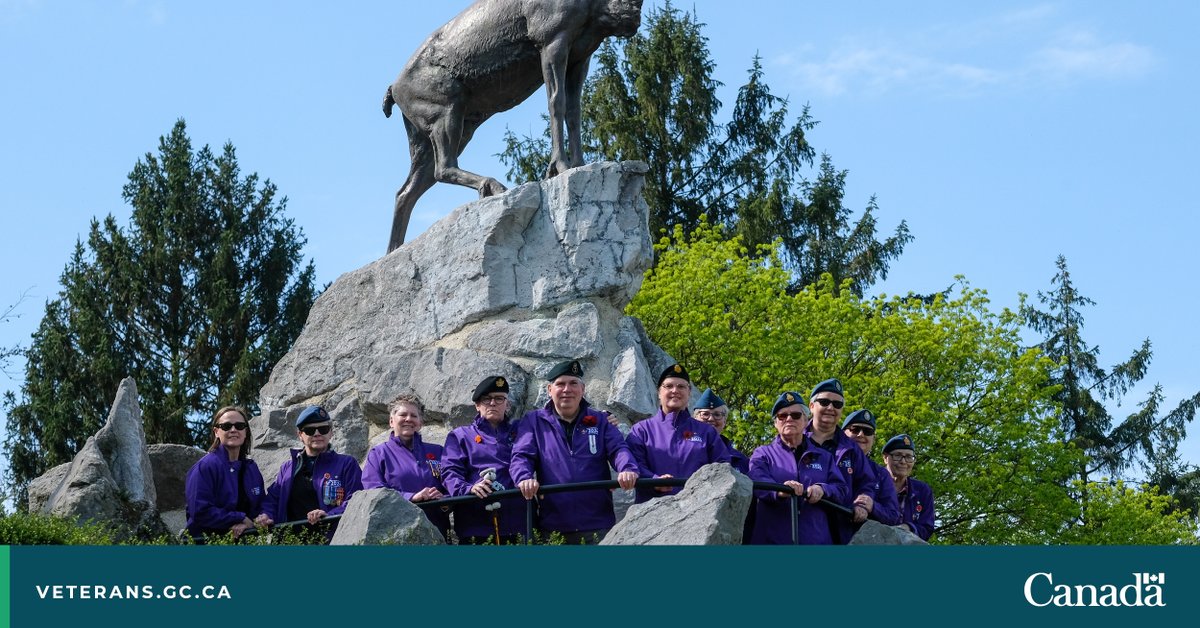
<point>336,477</point>
<point>887,508</point>
<point>212,493</point>
<point>541,453</point>
<point>739,460</point>
<point>673,444</point>
<point>777,463</point>
<point>469,450</point>
<point>390,464</point>
<point>859,473</point>
<point>916,508</point>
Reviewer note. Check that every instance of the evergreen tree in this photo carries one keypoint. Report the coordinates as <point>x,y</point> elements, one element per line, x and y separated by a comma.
<point>654,99</point>
<point>1148,438</point>
<point>196,298</point>
<point>8,353</point>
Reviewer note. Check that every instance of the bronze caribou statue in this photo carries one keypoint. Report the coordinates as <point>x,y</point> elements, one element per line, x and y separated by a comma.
<point>488,59</point>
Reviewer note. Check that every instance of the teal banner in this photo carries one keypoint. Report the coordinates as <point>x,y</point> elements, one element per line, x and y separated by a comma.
<point>206,586</point>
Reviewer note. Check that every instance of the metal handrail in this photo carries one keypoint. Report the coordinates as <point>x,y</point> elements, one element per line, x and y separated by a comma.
<point>598,484</point>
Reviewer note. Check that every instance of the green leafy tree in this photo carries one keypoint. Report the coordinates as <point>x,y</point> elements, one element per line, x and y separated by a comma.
<point>948,371</point>
<point>1145,440</point>
<point>1120,514</point>
<point>654,99</point>
<point>196,298</point>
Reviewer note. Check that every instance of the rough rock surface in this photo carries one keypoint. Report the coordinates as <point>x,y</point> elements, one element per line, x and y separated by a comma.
<point>110,479</point>
<point>875,533</point>
<point>508,285</point>
<point>171,464</point>
<point>710,510</point>
<point>381,516</point>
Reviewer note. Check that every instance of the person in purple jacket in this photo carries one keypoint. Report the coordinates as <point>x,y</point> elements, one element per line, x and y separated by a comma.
<point>826,405</point>
<point>471,450</point>
<point>224,489</point>
<point>914,496</point>
<point>568,441</point>
<point>315,482</point>
<point>672,444</point>
<point>859,426</point>
<point>407,464</point>
<point>804,466</point>
<point>713,410</point>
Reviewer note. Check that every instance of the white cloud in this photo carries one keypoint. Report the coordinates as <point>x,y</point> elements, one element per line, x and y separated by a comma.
<point>1025,49</point>
<point>1080,55</point>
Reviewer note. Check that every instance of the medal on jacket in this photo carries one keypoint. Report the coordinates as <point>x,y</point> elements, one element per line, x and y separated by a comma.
<point>332,491</point>
<point>592,443</point>
<point>434,467</point>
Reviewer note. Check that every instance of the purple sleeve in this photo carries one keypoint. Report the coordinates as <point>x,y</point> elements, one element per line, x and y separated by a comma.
<point>887,509</point>
<point>270,504</point>
<point>200,490</point>
<point>864,480</point>
<point>718,451</point>
<point>524,451</point>
<point>836,489</point>
<point>455,465</point>
<point>352,482</point>
<point>375,471</point>
<point>924,527</point>
<point>760,471</point>
<point>635,446</point>
<point>372,474</point>
<point>619,455</point>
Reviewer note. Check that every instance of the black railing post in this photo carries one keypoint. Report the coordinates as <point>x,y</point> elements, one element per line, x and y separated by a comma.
<point>795,501</point>
<point>529,521</point>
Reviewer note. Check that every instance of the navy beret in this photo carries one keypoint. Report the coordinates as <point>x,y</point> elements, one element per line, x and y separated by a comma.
<point>312,414</point>
<point>899,441</point>
<point>863,417</point>
<point>674,370</point>
<point>829,385</point>
<point>788,399</point>
<point>490,385</point>
<point>570,367</point>
<point>709,400</point>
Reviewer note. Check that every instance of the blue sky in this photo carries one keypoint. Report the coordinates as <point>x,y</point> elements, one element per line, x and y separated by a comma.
<point>1005,133</point>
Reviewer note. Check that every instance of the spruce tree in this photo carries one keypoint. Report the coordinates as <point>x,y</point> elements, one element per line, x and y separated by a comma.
<point>196,298</point>
<point>1148,438</point>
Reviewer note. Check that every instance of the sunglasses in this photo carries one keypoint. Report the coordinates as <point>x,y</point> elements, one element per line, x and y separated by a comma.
<point>791,416</point>
<point>825,403</point>
<point>316,429</point>
<point>239,426</point>
<point>865,430</point>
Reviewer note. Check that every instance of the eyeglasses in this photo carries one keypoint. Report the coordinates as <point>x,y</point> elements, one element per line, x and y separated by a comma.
<point>826,402</point>
<point>903,457</point>
<point>865,430</point>
<point>492,401</point>
<point>310,430</point>
<point>239,426</point>
<point>709,413</point>
<point>674,387</point>
<point>791,416</point>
